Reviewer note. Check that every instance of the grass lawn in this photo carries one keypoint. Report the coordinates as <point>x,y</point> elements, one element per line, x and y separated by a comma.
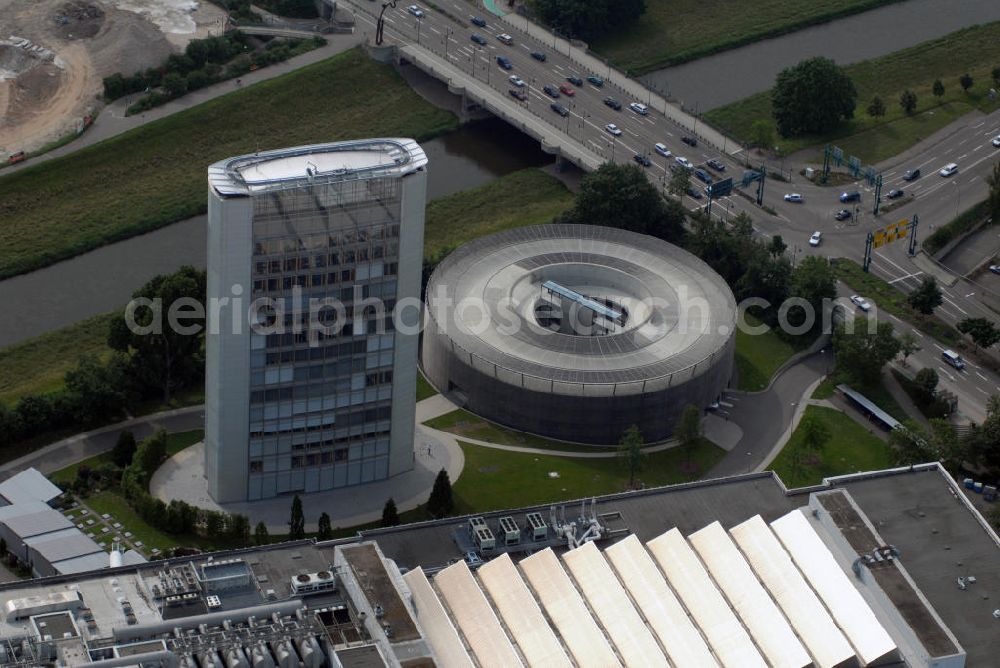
<point>851,448</point>
<point>497,479</point>
<point>115,505</point>
<point>675,31</point>
<point>759,356</point>
<point>175,443</point>
<point>37,365</point>
<point>424,389</point>
<point>825,390</point>
<point>469,425</point>
<point>155,174</point>
<point>974,50</point>
<point>467,215</point>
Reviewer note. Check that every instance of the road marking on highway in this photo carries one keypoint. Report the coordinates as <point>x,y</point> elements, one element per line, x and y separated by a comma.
<point>981,124</point>
<point>434,30</point>
<point>917,332</point>
<point>938,347</point>
<point>945,372</point>
<point>559,67</point>
<point>903,278</point>
<point>982,390</point>
<point>983,377</point>
<point>963,311</point>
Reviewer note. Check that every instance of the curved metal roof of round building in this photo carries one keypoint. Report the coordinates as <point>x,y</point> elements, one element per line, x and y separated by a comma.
<point>662,310</point>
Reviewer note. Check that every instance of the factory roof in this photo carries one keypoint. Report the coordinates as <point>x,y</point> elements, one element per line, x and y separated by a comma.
<point>28,485</point>
<point>32,518</point>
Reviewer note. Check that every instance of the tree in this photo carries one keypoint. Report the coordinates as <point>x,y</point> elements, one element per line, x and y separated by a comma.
<point>965,81</point>
<point>982,442</point>
<point>983,332</point>
<point>993,181</point>
<point>390,516</point>
<point>630,453</point>
<point>297,522</point>
<point>908,101</point>
<point>863,353</point>
<point>159,356</point>
<point>239,529</point>
<point>588,19</point>
<point>926,297</point>
<point>124,449</point>
<point>812,97</point>
<point>814,280</point>
<point>324,531</point>
<point>260,534</point>
<point>876,108</point>
<point>908,345</point>
<point>679,182</point>
<point>441,501</point>
<point>95,390</point>
<point>762,133</point>
<point>688,429</point>
<point>777,246</point>
<point>926,382</point>
<point>995,75</point>
<point>621,196</point>
<point>815,432</point>
<point>174,84</point>
<point>767,277</point>
<point>938,88</point>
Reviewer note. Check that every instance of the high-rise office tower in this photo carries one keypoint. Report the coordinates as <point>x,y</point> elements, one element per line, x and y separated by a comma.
<point>310,384</point>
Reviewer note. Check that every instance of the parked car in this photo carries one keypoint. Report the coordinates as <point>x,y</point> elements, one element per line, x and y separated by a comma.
<point>538,55</point>
<point>683,162</point>
<point>703,176</point>
<point>642,159</point>
<point>690,141</point>
<point>662,150</point>
<point>911,174</point>
<point>996,141</point>
<point>613,103</point>
<point>795,197</point>
<point>518,94</point>
<point>516,80</point>
<point>949,169</point>
<point>816,239</point>
<point>550,90</point>
<point>566,90</point>
<point>861,303</point>
<point>693,193</point>
<point>559,109</point>
<point>851,196</point>
<point>575,80</point>
<point>505,38</point>
<point>596,80</point>
<point>639,108</point>
<point>504,62</point>
<point>843,214</point>
<point>416,11</point>
<point>716,164</point>
<point>478,21</point>
<point>895,193</point>
<point>478,39</point>
<point>611,128</point>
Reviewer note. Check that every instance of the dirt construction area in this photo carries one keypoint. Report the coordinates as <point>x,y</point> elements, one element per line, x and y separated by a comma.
<point>54,54</point>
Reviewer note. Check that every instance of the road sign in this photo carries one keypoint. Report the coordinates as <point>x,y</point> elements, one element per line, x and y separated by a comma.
<point>720,188</point>
<point>838,155</point>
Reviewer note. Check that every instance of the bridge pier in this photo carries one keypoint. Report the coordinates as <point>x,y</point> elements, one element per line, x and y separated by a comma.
<point>387,53</point>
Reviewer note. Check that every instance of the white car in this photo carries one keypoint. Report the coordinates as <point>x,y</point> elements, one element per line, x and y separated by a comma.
<point>639,108</point>
<point>861,303</point>
<point>505,38</point>
<point>416,11</point>
<point>662,150</point>
<point>948,169</point>
<point>794,197</point>
<point>613,129</point>
<point>816,239</point>
<point>996,141</point>
<point>995,268</point>
<point>683,162</point>
<point>516,80</point>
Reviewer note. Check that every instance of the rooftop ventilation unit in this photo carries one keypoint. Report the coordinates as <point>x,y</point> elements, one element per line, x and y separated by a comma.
<point>475,524</point>
<point>313,583</point>
<point>539,529</point>
<point>485,539</point>
<point>508,527</point>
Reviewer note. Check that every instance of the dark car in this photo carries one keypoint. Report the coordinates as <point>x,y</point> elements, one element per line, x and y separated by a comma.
<point>716,165</point>
<point>613,103</point>
<point>895,193</point>
<point>559,109</point>
<point>911,174</point>
<point>504,62</point>
<point>703,176</point>
<point>478,39</point>
<point>575,80</point>
<point>518,94</point>
<point>596,80</point>
<point>550,90</point>
<point>852,196</point>
<point>843,214</point>
<point>693,193</point>
<point>478,21</point>
<point>538,55</point>
<point>690,141</point>
<point>642,159</point>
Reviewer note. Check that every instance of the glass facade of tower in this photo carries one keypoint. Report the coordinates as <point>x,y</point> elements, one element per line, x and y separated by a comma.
<point>320,374</point>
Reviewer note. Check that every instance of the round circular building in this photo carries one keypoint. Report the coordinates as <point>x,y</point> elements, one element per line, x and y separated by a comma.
<point>577,332</point>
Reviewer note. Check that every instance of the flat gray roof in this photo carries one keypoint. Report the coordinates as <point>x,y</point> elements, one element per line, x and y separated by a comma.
<point>32,519</point>
<point>28,485</point>
<point>64,544</point>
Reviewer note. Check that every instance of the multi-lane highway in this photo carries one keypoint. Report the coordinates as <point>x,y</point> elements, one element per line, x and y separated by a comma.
<point>448,32</point>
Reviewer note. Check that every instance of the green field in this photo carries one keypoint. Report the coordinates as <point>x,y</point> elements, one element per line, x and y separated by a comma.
<point>851,448</point>
<point>37,365</point>
<point>463,423</point>
<point>155,174</point>
<point>676,31</point>
<point>974,50</point>
<point>496,479</point>
<point>424,389</point>
<point>526,197</point>
<point>758,357</point>
<point>115,505</point>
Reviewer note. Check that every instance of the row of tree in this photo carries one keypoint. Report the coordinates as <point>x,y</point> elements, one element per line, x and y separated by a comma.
<point>588,19</point>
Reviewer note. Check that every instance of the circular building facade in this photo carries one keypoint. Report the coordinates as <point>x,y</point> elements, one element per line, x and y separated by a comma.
<point>577,332</point>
